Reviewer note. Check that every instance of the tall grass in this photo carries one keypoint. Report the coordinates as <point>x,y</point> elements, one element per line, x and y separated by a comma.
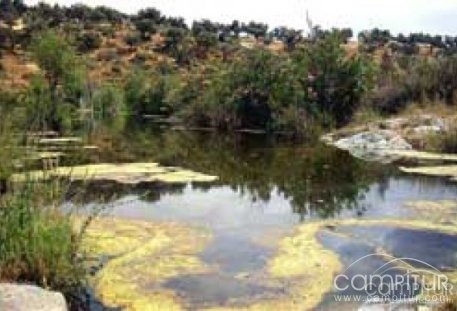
<point>38,243</point>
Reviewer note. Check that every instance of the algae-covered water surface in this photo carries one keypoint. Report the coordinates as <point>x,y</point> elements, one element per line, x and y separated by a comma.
<point>281,220</point>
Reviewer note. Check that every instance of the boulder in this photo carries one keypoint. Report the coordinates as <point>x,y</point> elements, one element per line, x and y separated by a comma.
<point>15,297</point>
<point>374,145</point>
<point>374,140</point>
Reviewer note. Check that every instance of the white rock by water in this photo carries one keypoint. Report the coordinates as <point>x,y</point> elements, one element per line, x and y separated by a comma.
<point>374,140</point>
<point>30,298</point>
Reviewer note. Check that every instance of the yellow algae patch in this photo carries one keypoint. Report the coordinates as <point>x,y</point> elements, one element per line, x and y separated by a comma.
<point>149,253</point>
<point>128,173</point>
<point>303,257</point>
<point>145,255</point>
<point>399,223</point>
<point>422,155</point>
<point>306,269</point>
<point>438,171</point>
<point>303,268</point>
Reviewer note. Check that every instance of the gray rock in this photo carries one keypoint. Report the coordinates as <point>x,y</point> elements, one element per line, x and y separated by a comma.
<point>374,145</point>
<point>374,140</point>
<point>30,298</point>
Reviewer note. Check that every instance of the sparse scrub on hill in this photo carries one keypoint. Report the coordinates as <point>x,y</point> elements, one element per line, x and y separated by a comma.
<point>229,76</point>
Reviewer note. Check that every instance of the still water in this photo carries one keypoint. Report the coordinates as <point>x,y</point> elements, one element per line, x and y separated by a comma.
<point>267,187</point>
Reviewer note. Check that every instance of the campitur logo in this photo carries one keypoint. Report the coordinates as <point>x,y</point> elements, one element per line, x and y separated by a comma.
<point>384,278</point>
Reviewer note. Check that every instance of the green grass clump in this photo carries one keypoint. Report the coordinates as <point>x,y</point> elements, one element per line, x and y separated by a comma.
<point>38,244</point>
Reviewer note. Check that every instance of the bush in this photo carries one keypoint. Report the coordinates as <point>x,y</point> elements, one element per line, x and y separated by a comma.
<point>89,41</point>
<point>133,39</point>
<point>108,102</point>
<point>145,93</point>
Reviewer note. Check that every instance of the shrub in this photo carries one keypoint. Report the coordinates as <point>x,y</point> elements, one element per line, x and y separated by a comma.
<point>133,39</point>
<point>145,92</point>
<point>108,102</point>
<point>89,41</point>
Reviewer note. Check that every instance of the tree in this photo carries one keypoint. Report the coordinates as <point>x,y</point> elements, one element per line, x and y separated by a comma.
<point>338,82</point>
<point>235,28</point>
<point>346,34</point>
<point>176,22</point>
<point>256,29</point>
<point>146,27</point>
<point>58,60</point>
<point>290,37</point>
<point>154,15</point>
<point>9,12</point>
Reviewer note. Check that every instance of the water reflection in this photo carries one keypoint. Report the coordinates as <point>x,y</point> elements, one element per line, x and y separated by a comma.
<point>267,185</point>
<point>315,179</point>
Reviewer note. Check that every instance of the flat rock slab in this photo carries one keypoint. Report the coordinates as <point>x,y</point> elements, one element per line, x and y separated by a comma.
<point>30,298</point>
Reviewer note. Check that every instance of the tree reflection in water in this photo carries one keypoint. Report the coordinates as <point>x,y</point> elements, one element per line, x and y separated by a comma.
<point>318,180</point>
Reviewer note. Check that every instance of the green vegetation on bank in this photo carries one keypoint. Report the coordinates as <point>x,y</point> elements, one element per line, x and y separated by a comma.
<point>38,243</point>
<point>226,76</point>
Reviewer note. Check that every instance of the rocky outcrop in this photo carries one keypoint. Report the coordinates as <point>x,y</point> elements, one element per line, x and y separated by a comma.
<point>390,140</point>
<point>30,298</point>
<point>373,145</point>
<point>374,140</point>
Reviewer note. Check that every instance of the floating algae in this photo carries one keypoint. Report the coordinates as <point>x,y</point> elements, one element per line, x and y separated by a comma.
<point>129,173</point>
<point>145,254</point>
<point>148,255</point>
<point>435,171</point>
<point>303,268</point>
<point>422,155</point>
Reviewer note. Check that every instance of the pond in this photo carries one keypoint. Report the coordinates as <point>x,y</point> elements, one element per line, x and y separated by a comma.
<point>268,186</point>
